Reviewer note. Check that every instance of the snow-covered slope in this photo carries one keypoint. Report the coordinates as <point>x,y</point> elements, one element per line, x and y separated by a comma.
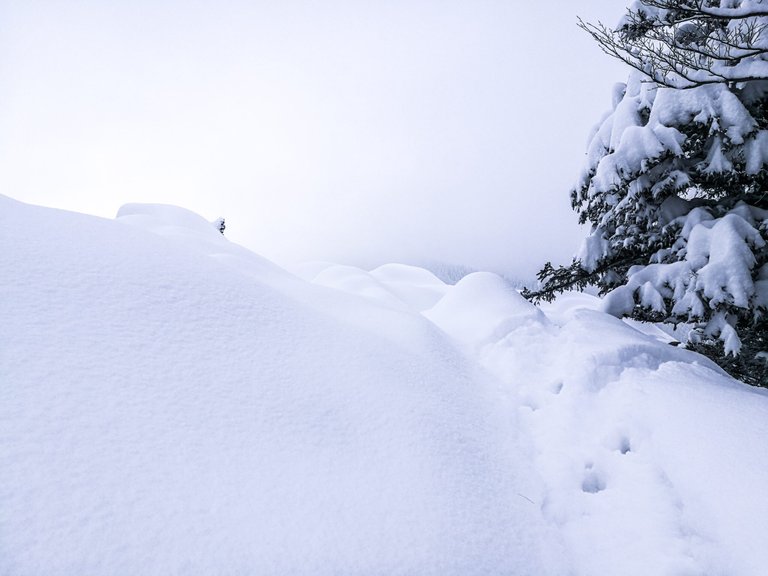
<point>171,403</point>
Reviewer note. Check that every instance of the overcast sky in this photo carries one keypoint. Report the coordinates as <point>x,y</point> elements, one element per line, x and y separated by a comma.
<point>357,131</point>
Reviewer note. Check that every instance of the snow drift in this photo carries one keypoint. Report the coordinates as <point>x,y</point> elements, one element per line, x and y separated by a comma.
<point>172,403</point>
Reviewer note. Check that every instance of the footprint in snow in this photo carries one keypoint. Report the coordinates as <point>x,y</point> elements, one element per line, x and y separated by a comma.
<point>593,482</point>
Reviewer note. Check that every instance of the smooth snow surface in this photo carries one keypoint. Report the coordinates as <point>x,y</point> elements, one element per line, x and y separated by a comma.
<point>171,403</point>
<point>173,406</point>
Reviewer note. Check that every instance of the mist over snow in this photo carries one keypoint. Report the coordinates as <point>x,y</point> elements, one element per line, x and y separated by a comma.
<point>172,402</point>
<point>409,131</point>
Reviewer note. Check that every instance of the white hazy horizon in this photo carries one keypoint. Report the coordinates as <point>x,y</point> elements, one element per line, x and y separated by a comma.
<point>418,131</point>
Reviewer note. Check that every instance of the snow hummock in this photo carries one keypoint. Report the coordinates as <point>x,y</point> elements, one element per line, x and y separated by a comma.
<point>170,406</point>
<point>173,403</point>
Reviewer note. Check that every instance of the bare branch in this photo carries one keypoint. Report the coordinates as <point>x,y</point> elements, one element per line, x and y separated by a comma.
<point>688,43</point>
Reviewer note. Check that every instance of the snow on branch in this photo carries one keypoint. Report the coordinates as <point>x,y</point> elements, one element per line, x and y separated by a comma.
<point>681,44</point>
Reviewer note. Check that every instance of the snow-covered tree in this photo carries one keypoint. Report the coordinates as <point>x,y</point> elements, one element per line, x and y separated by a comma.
<point>675,184</point>
<point>685,43</point>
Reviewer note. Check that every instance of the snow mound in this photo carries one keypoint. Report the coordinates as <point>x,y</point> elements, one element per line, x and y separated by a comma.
<point>417,287</point>
<point>168,220</point>
<point>396,286</point>
<point>170,406</point>
<point>193,234</point>
<point>649,453</point>
<point>481,308</point>
<point>353,280</point>
<point>172,403</point>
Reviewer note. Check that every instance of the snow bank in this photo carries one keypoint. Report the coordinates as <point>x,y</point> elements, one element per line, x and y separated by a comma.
<point>171,404</point>
<point>482,307</point>
<point>397,286</point>
<point>650,457</point>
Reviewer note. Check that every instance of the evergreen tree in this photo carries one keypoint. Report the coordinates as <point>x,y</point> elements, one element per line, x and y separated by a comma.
<point>675,184</point>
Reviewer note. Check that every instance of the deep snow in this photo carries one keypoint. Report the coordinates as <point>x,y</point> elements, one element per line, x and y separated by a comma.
<point>171,403</point>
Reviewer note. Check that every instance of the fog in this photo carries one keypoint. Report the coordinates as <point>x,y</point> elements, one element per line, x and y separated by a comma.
<point>354,131</point>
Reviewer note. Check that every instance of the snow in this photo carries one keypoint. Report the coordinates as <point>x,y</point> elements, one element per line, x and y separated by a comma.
<point>482,308</point>
<point>737,58</point>
<point>392,285</point>
<point>647,188</point>
<point>626,141</point>
<point>640,448</point>
<point>173,403</point>
<point>717,265</point>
